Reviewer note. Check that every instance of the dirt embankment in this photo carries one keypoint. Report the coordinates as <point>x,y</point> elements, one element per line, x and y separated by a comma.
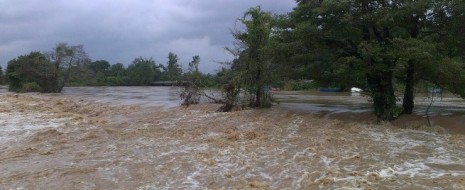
<point>55,142</point>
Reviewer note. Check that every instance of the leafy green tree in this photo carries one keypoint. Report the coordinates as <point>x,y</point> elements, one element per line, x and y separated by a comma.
<point>100,70</point>
<point>101,66</point>
<point>192,90</point>
<point>142,71</point>
<point>82,75</point>
<point>194,64</point>
<point>449,25</point>
<point>117,75</point>
<point>158,72</point>
<point>26,72</point>
<point>116,70</point>
<point>346,41</point>
<point>252,65</point>
<point>421,28</point>
<point>173,69</point>
<point>193,74</point>
<point>64,57</point>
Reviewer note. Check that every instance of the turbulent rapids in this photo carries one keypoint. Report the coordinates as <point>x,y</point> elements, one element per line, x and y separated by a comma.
<point>65,142</point>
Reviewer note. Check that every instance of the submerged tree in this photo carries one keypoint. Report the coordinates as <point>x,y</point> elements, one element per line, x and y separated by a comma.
<point>192,90</point>
<point>252,65</point>
<point>195,84</point>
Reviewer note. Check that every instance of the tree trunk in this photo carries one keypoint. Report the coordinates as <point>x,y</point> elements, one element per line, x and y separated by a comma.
<point>258,91</point>
<point>408,103</point>
<point>65,78</point>
<point>384,100</point>
<point>257,97</point>
<point>66,74</point>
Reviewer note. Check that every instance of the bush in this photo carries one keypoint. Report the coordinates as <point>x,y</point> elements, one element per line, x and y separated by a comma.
<point>32,73</point>
<point>190,95</point>
<point>30,87</point>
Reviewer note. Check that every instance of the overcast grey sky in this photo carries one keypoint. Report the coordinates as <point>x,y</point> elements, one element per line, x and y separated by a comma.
<point>120,30</point>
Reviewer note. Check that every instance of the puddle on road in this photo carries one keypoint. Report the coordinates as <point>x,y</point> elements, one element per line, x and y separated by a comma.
<point>71,143</point>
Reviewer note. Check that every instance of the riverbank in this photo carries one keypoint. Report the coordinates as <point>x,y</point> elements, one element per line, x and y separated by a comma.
<point>61,142</point>
<point>447,112</point>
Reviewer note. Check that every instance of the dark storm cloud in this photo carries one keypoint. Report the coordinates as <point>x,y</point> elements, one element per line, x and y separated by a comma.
<point>121,30</point>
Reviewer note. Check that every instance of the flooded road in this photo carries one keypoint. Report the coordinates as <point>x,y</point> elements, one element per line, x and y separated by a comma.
<point>81,140</point>
<point>311,101</point>
<point>339,102</point>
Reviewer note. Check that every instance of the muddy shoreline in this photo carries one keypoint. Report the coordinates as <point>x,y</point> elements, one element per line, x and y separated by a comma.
<point>452,124</point>
<point>447,112</point>
<point>76,143</point>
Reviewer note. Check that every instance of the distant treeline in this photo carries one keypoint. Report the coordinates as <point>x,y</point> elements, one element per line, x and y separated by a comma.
<point>69,65</point>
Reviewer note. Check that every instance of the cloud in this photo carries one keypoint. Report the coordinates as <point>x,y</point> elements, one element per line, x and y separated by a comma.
<point>210,54</point>
<point>121,30</point>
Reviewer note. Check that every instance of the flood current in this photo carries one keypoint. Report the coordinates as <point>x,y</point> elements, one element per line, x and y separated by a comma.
<point>140,138</point>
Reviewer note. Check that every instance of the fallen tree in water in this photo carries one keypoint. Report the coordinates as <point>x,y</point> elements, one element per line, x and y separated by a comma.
<point>192,93</point>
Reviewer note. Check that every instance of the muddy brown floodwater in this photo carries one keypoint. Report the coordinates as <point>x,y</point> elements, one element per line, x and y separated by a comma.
<point>76,142</point>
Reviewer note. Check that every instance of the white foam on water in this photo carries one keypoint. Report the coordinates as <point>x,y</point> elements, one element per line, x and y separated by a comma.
<point>16,126</point>
<point>192,183</point>
<point>415,152</point>
<point>326,161</point>
<point>285,160</point>
<point>294,128</point>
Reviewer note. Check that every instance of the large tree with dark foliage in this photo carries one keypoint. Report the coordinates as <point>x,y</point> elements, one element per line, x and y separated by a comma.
<point>344,42</point>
